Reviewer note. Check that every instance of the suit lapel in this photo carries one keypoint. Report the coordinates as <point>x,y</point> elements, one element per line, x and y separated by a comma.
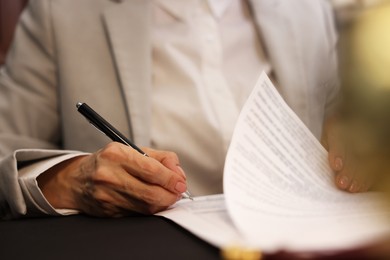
<point>128,29</point>
<point>279,35</point>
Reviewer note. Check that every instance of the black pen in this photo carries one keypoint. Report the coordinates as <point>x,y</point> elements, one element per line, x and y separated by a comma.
<point>106,128</point>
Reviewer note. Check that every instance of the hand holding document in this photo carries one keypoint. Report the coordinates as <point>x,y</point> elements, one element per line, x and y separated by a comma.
<point>279,192</point>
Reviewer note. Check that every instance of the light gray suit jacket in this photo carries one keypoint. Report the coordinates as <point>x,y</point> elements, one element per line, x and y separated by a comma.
<point>99,52</point>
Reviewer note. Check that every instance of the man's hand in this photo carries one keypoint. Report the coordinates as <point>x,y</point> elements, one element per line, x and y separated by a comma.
<point>350,171</point>
<point>115,181</point>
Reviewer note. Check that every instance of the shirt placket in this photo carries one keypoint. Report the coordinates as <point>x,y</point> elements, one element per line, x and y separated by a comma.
<point>220,98</point>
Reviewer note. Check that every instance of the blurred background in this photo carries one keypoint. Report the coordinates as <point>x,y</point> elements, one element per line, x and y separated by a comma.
<point>364,53</point>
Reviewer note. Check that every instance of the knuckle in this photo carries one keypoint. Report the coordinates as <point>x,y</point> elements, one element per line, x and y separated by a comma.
<point>172,156</point>
<point>110,152</point>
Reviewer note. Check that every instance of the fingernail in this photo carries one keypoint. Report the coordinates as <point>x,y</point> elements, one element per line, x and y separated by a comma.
<point>182,171</point>
<point>180,187</point>
<point>343,181</point>
<point>354,187</point>
<point>338,164</point>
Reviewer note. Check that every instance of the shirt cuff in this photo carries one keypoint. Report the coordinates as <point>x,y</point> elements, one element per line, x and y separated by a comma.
<point>35,200</point>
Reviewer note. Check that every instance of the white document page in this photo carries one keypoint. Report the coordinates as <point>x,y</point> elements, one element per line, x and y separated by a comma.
<point>206,217</point>
<point>279,189</point>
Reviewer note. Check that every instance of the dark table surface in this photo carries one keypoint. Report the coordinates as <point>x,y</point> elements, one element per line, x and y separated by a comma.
<point>82,237</point>
<point>142,237</point>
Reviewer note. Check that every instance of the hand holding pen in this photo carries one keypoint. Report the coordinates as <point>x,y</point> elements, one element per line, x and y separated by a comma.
<point>106,128</point>
<point>116,180</point>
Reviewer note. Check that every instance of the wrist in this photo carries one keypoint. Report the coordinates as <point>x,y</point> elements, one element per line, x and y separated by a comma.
<point>58,183</point>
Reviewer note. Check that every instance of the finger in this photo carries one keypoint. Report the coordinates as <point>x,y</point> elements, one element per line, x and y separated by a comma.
<point>119,180</point>
<point>337,157</point>
<point>148,201</point>
<point>168,159</point>
<point>361,181</point>
<point>148,194</point>
<point>96,202</point>
<point>355,186</point>
<point>336,149</point>
<point>347,178</point>
<point>343,182</point>
<point>356,179</point>
<point>151,171</point>
<point>330,128</point>
<point>350,178</point>
<point>123,195</point>
<point>145,168</point>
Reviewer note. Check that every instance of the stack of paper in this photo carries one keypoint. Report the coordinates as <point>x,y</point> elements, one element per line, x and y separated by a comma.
<point>279,191</point>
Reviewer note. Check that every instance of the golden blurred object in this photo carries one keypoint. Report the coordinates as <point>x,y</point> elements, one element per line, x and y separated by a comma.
<point>345,10</point>
<point>239,253</point>
<point>368,43</point>
<point>365,86</point>
<point>365,63</point>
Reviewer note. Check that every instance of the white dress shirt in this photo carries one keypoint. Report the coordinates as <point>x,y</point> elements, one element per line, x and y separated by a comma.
<point>206,59</point>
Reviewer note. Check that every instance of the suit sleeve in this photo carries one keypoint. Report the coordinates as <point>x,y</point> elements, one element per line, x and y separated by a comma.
<point>29,116</point>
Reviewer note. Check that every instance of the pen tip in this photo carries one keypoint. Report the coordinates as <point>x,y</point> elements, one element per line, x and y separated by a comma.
<point>187,195</point>
<point>78,104</point>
